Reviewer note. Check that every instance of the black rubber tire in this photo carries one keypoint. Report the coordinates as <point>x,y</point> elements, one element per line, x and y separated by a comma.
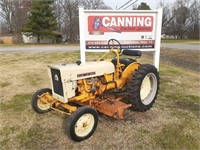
<point>35,100</point>
<point>135,84</point>
<point>75,117</point>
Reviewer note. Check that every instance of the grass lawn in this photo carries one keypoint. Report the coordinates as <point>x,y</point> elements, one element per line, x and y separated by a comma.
<point>172,123</point>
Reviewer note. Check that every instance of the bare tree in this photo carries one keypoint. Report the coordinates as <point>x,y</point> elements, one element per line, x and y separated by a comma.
<point>60,13</point>
<point>181,16</point>
<point>6,13</point>
<point>193,31</point>
<point>3,28</point>
<point>167,15</point>
<point>67,15</point>
<point>70,15</point>
<point>94,4</point>
<point>181,19</point>
<point>14,14</point>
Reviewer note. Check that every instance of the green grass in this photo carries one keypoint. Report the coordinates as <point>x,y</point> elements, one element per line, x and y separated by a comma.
<point>18,103</point>
<point>184,98</point>
<point>49,58</point>
<point>5,133</point>
<point>184,102</point>
<point>33,78</point>
<point>4,84</point>
<point>180,41</point>
<point>173,137</point>
<point>8,45</point>
<point>31,139</point>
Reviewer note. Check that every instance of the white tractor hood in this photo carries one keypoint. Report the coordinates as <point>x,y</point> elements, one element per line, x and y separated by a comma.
<point>89,69</point>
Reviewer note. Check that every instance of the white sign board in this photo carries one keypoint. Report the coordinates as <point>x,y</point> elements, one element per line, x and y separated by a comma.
<point>134,29</point>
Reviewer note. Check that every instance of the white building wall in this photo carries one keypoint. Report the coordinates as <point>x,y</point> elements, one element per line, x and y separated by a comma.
<point>33,39</point>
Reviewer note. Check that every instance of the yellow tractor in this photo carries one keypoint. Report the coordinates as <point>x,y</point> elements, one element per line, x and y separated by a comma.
<point>84,89</point>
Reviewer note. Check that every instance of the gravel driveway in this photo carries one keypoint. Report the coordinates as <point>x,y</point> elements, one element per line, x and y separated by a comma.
<point>183,46</point>
<point>53,48</point>
<point>39,48</point>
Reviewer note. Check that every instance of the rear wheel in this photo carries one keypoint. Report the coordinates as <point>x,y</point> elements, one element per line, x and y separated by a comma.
<point>82,123</point>
<point>143,87</point>
<point>37,104</point>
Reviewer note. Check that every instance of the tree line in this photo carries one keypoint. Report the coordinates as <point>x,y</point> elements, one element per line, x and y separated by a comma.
<point>181,19</point>
<point>48,18</point>
<point>44,18</point>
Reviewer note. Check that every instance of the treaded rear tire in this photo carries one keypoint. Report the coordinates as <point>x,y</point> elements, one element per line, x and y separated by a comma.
<point>135,91</point>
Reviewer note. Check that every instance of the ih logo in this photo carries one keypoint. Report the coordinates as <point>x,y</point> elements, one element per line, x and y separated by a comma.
<point>56,77</point>
<point>97,23</point>
<point>120,24</point>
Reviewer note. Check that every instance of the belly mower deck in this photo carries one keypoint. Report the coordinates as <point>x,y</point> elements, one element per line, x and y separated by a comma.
<point>109,106</point>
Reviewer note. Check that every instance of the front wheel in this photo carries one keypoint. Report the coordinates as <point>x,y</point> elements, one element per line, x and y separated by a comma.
<point>37,104</point>
<point>143,87</point>
<point>82,123</point>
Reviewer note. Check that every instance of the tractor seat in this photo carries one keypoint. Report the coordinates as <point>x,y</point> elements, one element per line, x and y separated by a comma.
<point>125,61</point>
<point>129,52</point>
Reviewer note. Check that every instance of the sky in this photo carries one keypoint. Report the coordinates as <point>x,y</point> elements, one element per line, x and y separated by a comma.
<point>117,3</point>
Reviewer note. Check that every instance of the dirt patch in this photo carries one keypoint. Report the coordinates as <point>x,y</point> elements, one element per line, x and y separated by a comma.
<point>186,105</point>
<point>183,58</point>
<point>189,59</point>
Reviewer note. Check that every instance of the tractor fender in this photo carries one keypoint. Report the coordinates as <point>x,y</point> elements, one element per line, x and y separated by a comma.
<point>127,73</point>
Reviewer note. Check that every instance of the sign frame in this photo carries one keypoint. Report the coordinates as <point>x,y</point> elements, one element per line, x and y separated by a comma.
<point>83,29</point>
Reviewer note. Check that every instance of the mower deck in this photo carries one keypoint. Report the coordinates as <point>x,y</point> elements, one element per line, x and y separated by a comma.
<point>108,106</point>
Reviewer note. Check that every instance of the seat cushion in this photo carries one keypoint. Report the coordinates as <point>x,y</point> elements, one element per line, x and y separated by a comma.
<point>129,52</point>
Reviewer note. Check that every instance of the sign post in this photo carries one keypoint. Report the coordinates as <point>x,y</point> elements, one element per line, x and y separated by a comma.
<point>82,33</point>
<point>134,29</point>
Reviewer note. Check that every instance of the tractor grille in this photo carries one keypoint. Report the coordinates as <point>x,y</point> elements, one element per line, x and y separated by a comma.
<point>57,82</point>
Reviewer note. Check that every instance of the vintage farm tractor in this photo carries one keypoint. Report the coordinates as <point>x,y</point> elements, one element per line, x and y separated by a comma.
<point>81,89</point>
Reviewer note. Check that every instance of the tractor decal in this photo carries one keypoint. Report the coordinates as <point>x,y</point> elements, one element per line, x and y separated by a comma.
<point>86,74</point>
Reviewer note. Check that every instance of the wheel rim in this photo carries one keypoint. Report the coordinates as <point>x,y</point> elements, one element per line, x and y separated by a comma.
<point>42,105</point>
<point>148,88</point>
<point>84,125</point>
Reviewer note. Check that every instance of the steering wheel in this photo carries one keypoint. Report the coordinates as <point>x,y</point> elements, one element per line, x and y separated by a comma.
<point>113,44</point>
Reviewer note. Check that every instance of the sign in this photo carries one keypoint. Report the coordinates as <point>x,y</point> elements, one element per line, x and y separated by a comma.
<point>134,29</point>
<point>120,24</point>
